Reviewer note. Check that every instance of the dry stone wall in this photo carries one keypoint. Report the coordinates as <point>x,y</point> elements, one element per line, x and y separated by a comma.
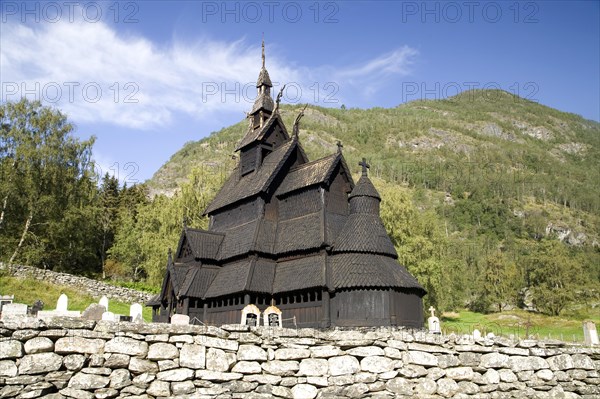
<point>92,287</point>
<point>73,358</point>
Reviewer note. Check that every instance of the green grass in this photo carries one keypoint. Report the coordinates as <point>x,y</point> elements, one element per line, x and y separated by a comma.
<point>28,290</point>
<point>518,323</point>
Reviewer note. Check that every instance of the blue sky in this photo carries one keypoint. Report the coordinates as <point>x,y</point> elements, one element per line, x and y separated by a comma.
<point>146,77</point>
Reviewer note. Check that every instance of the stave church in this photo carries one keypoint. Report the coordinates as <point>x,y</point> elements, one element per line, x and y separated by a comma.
<point>290,232</point>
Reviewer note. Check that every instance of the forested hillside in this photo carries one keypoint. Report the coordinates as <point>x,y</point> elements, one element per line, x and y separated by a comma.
<point>484,193</point>
<point>491,200</point>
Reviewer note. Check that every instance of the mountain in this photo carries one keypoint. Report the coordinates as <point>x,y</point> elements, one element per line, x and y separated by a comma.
<point>491,200</point>
<point>478,145</point>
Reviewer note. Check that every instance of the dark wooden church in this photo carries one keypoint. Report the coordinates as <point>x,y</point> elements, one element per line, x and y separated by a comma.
<point>296,233</point>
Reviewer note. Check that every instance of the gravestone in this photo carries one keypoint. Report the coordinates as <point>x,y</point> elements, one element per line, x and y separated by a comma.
<point>94,312</point>
<point>14,309</point>
<point>135,312</point>
<point>36,307</point>
<point>476,334</point>
<point>6,299</point>
<point>250,315</point>
<point>180,319</point>
<point>272,317</point>
<point>108,316</point>
<point>274,320</point>
<point>62,305</point>
<point>433,322</point>
<point>251,320</point>
<point>590,334</point>
<point>104,302</point>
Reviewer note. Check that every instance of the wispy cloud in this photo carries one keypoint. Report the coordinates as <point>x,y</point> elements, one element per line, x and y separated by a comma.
<point>398,62</point>
<point>97,74</point>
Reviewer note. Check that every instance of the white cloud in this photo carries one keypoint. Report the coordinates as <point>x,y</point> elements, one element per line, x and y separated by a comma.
<point>396,62</point>
<point>70,64</point>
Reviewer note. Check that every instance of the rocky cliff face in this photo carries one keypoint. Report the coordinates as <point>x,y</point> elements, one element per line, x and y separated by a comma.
<point>84,359</point>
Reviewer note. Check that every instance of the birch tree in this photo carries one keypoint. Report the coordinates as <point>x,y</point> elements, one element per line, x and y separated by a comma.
<point>45,172</point>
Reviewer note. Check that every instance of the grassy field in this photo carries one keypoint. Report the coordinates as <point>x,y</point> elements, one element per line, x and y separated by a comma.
<point>519,323</point>
<point>29,290</point>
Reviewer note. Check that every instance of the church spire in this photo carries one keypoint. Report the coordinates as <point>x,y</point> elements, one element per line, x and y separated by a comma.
<point>263,105</point>
<point>263,51</point>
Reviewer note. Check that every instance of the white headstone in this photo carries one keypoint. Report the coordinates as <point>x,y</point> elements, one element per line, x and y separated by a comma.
<point>433,322</point>
<point>250,316</point>
<point>590,334</point>
<point>135,311</point>
<point>5,300</point>
<point>490,335</point>
<point>62,305</point>
<point>14,309</point>
<point>104,302</point>
<point>108,316</point>
<point>180,319</point>
<point>476,334</point>
<point>272,317</point>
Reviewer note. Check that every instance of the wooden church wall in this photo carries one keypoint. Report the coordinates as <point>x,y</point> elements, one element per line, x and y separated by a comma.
<point>305,306</point>
<point>364,307</point>
<point>337,196</point>
<point>224,310</point>
<point>272,209</point>
<point>407,306</point>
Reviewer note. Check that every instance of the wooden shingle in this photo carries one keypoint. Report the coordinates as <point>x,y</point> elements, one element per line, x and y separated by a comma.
<point>297,274</point>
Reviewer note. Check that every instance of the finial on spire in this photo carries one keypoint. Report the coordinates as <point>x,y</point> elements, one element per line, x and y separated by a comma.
<point>339,146</point>
<point>185,221</point>
<point>170,256</point>
<point>365,166</point>
<point>263,50</point>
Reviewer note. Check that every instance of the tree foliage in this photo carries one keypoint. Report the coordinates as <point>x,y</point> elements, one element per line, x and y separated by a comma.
<point>554,276</point>
<point>49,207</point>
<point>471,217</point>
<point>498,284</point>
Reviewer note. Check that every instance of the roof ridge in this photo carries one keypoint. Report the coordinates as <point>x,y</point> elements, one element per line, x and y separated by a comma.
<point>205,231</point>
<point>295,168</point>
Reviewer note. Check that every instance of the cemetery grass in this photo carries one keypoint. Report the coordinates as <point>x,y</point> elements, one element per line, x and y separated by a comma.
<point>566,327</point>
<point>28,290</point>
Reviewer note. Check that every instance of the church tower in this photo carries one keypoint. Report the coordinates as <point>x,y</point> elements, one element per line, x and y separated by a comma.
<point>266,131</point>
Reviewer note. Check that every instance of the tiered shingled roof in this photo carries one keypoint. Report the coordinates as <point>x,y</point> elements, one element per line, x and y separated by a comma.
<point>366,270</point>
<point>237,187</point>
<point>310,246</point>
<point>309,174</point>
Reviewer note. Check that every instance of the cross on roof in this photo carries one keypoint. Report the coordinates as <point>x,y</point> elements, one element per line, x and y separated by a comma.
<point>339,146</point>
<point>365,166</point>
